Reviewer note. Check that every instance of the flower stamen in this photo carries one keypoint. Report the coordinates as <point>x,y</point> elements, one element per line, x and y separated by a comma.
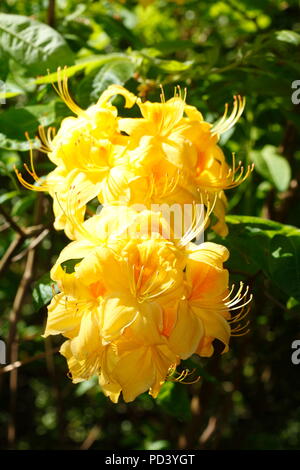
<point>225,124</point>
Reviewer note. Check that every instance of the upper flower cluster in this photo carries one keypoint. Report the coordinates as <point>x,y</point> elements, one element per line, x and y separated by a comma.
<point>169,155</point>
<point>140,295</point>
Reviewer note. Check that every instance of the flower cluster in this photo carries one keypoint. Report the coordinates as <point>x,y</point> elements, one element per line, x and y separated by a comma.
<point>137,295</point>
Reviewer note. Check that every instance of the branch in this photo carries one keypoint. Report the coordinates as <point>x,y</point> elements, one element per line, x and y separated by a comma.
<point>51,13</point>
<point>13,346</point>
<point>17,364</point>
<point>16,243</point>
<point>13,341</point>
<point>91,438</point>
<point>11,222</point>
<point>35,242</point>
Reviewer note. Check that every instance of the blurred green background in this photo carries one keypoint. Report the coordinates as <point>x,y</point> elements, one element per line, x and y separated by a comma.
<point>248,398</point>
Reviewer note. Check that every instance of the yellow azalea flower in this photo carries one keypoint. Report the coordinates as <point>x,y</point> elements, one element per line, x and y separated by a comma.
<point>175,146</point>
<point>89,145</point>
<point>136,363</point>
<point>203,312</point>
<point>169,155</point>
<point>131,365</point>
<point>59,184</point>
<point>138,303</point>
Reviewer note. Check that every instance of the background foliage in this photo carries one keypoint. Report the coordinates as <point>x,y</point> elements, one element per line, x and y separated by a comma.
<point>248,398</point>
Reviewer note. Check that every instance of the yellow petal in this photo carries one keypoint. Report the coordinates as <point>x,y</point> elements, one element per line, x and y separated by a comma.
<point>75,250</point>
<point>135,372</point>
<point>164,116</point>
<point>88,343</point>
<point>187,332</point>
<point>104,265</point>
<point>113,90</point>
<point>164,359</point>
<point>215,325</point>
<point>110,389</point>
<point>69,284</point>
<point>76,368</point>
<point>210,253</point>
<point>117,314</point>
<point>205,347</point>
<point>64,316</point>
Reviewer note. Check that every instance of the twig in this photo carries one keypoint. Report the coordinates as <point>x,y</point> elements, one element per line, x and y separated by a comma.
<point>13,341</point>
<point>275,301</point>
<point>16,243</point>
<point>4,226</point>
<point>18,302</point>
<point>13,346</point>
<point>17,364</point>
<point>209,430</point>
<point>35,242</point>
<point>191,433</point>
<point>51,13</point>
<point>91,437</point>
<point>11,222</point>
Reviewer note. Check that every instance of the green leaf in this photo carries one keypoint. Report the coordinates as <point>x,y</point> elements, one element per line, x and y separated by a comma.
<point>44,113</point>
<point>8,160</point>
<point>173,66</point>
<point>292,302</point>
<point>7,196</point>
<point>43,291</point>
<point>291,37</point>
<point>168,47</point>
<point>70,71</point>
<point>69,265</point>
<point>174,399</point>
<point>33,44</point>
<point>117,29</point>
<point>117,71</point>
<point>16,121</point>
<point>284,263</point>
<point>272,166</point>
<point>85,386</point>
<point>157,445</point>
<point>53,77</point>
<point>10,94</point>
<point>23,204</point>
<point>257,244</point>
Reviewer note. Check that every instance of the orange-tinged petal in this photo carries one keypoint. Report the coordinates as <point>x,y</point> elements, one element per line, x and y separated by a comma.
<point>205,347</point>
<point>215,325</point>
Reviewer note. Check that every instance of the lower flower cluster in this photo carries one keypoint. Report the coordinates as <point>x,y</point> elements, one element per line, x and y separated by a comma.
<point>134,303</point>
